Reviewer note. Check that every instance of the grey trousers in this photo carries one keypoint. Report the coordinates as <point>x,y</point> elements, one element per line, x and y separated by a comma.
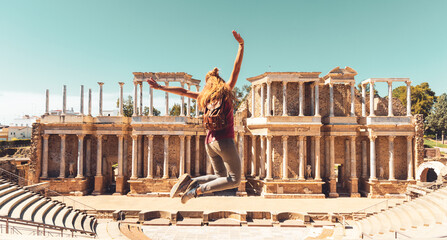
<point>226,164</point>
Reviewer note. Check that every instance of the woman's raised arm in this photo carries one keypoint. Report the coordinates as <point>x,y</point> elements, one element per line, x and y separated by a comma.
<point>176,90</point>
<point>237,63</point>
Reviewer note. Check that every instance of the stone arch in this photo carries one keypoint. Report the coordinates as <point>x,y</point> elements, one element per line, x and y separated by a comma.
<point>424,168</point>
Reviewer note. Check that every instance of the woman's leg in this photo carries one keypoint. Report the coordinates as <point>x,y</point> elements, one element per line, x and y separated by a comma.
<point>226,150</point>
<point>218,166</point>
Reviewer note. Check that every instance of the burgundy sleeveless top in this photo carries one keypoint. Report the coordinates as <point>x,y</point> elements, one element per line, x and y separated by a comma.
<point>227,132</point>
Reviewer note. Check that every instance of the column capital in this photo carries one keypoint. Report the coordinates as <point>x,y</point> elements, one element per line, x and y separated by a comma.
<point>372,137</point>
<point>46,136</point>
<point>99,136</point>
<point>408,83</point>
<point>284,82</point>
<point>150,137</point>
<point>284,138</point>
<point>182,137</point>
<point>100,83</point>
<point>80,136</point>
<point>317,137</point>
<point>269,137</point>
<point>390,83</point>
<point>410,137</point>
<point>371,82</point>
<point>391,138</point>
<point>331,84</point>
<point>353,138</point>
<point>121,83</point>
<point>166,137</point>
<point>269,82</point>
<point>63,136</point>
<point>135,83</point>
<point>134,137</point>
<point>121,136</point>
<point>188,137</point>
<point>301,137</point>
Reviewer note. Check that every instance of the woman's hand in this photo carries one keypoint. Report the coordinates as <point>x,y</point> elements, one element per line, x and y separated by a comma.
<point>238,37</point>
<point>153,83</point>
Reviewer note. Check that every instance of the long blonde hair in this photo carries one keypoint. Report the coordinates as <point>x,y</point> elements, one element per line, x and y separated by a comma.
<point>215,89</point>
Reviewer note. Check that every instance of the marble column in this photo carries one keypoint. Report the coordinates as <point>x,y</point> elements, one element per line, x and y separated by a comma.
<point>134,157</point>
<point>312,155</point>
<point>363,101</point>
<point>391,158</point>
<point>121,112</point>
<point>167,100</point>
<point>100,97</point>
<point>390,99</point>
<point>99,156</point>
<point>269,158</point>
<point>253,156</point>
<point>312,100</point>
<point>81,107</point>
<point>352,100</point>
<point>241,154</point>
<point>262,159</point>
<point>62,163</point>
<point>64,100</point>
<point>182,105</point>
<point>151,101</point>
<point>188,154</point>
<point>353,157</point>
<point>90,102</point>
<point>188,109</point>
<point>150,156</point>
<point>364,161</point>
<point>408,98</point>
<point>135,98</point>
<point>140,153</point>
<point>88,156</point>
<point>317,99</point>
<point>372,160</point>
<point>331,100</point>
<point>197,161</point>
<point>80,156</point>
<point>182,155</point>
<point>317,158</point>
<point>269,99</point>
<point>301,98</point>
<point>45,156</point>
<point>197,109</point>
<point>141,99</point>
<point>262,100</point>
<point>327,157</point>
<point>285,159</point>
<point>410,158</point>
<point>284,98</point>
<point>253,102</point>
<point>121,155</point>
<point>371,99</point>
<point>347,163</point>
<point>47,102</point>
<point>166,157</point>
<point>301,158</point>
<point>332,182</point>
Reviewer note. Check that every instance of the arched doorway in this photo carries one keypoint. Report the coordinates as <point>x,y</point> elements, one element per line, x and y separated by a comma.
<point>429,175</point>
<point>429,171</point>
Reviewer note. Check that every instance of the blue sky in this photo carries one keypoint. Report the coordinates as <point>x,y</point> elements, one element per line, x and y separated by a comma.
<point>46,44</point>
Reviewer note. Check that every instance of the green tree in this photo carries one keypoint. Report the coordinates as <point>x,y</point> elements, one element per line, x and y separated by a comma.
<point>240,95</point>
<point>359,86</point>
<point>128,108</point>
<point>422,98</point>
<point>437,120</point>
<point>154,111</point>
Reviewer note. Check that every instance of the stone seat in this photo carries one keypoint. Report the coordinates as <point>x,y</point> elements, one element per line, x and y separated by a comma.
<point>7,197</point>
<point>434,210</point>
<point>50,215</point>
<point>40,214</point>
<point>413,214</point>
<point>424,217</point>
<point>405,220</point>
<point>394,220</point>
<point>7,190</point>
<point>59,219</point>
<point>7,207</point>
<point>375,225</point>
<point>78,218</point>
<point>19,209</point>
<point>29,213</point>
<point>439,202</point>
<point>70,218</point>
<point>385,224</point>
<point>4,185</point>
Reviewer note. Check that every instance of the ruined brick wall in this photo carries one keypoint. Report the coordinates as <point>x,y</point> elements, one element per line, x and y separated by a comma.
<point>419,140</point>
<point>36,153</point>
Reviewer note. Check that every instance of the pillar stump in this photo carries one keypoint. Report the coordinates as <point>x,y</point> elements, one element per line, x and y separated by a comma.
<point>354,187</point>
<point>99,185</point>
<point>120,185</point>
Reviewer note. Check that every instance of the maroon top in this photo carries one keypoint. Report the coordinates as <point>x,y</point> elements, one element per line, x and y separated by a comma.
<point>227,132</point>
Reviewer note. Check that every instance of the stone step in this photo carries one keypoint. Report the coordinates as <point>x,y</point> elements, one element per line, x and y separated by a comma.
<point>4,185</point>
<point>393,219</point>
<point>434,210</point>
<point>78,219</point>
<point>18,210</point>
<point>51,215</point>
<point>440,203</point>
<point>69,219</point>
<point>87,225</point>
<point>385,224</point>
<point>30,212</point>
<point>8,206</point>
<point>7,190</point>
<point>7,197</point>
<point>39,216</point>
<point>420,212</point>
<point>414,216</point>
<point>405,220</point>
<point>59,219</point>
<point>375,225</point>
<point>366,226</point>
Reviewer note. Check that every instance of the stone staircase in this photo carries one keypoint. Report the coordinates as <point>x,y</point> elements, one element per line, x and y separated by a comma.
<point>20,203</point>
<point>419,217</point>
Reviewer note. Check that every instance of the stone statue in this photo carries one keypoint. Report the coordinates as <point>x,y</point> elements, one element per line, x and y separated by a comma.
<point>309,172</point>
<point>174,171</point>
<point>71,169</point>
<point>381,173</point>
<point>158,171</point>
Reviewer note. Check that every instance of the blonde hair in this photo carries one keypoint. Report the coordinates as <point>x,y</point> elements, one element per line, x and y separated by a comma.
<point>215,89</point>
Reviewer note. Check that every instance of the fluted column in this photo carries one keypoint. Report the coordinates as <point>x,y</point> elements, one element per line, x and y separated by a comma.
<point>285,159</point>
<point>317,99</point>
<point>269,99</point>
<point>166,157</point>
<point>301,157</point>
<point>269,158</point>
<point>364,161</point>
<point>371,99</point>
<point>141,99</point>
<point>390,99</point>
<point>90,102</point>
<point>188,109</point>
<point>253,102</point>
<point>241,154</point>
<point>99,156</point>
<point>135,98</point>
<point>410,158</point>
<point>197,161</point>
<point>408,98</point>
<point>262,100</point>
<point>80,156</point>
<point>353,157</point>
<point>253,156</point>
<point>151,101</point>
<point>391,159</point>
<point>352,100</point>
<point>372,160</point>
<point>121,155</point>
<point>88,156</point>
<point>134,157</point>
<point>331,100</point>
<point>188,154</point>
<point>301,98</point>
<point>317,158</point>
<point>167,100</point>
<point>47,102</point>
<point>45,156</point>
<point>182,105</point>
<point>81,107</point>
<point>182,155</point>
<point>100,97</point>
<point>363,101</point>
<point>64,100</point>
<point>284,98</point>
<point>262,159</point>
<point>121,112</point>
<point>62,163</point>
<point>347,168</point>
<point>150,156</point>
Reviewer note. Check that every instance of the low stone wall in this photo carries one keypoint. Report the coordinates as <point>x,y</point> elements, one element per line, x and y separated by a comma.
<point>388,189</point>
<point>283,189</point>
<point>144,186</point>
<point>69,186</point>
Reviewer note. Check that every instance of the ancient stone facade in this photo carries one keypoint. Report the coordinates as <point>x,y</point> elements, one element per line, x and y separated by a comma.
<point>298,135</point>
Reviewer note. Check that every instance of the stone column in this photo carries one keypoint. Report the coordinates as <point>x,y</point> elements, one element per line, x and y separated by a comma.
<point>197,162</point>
<point>140,153</point>
<point>99,156</point>
<point>285,159</point>
<point>166,157</point>
<point>410,158</point>
<point>241,154</point>
<point>45,156</point>
<point>253,105</point>
<point>312,154</point>
<point>408,98</point>
<point>182,105</point>
<point>354,179</point>
<point>121,155</point>
<point>47,102</point>
<point>197,109</point>
<point>262,159</point>
<point>371,99</point>
<point>327,157</point>
<point>284,98</point>
<point>301,157</point>
<point>352,100</point>
<point>372,160</point>
<point>141,99</point>
<point>390,99</point>
<point>347,167</point>
<point>150,156</point>
<point>167,100</point>
<point>301,89</point>
<point>80,156</point>
<point>62,163</point>
<point>134,157</point>
<point>64,100</point>
<point>269,158</point>
<point>81,108</point>
<point>135,98</point>
<point>253,156</point>
<point>317,158</point>
<point>363,101</point>
<point>188,154</point>
<point>331,100</point>
<point>332,182</point>
<point>88,156</point>
<point>364,161</point>
<point>269,98</point>
<point>90,102</point>
<point>182,155</point>
<point>100,97</point>
<point>151,101</point>
<point>262,100</point>
<point>188,109</point>
<point>312,100</point>
<point>121,112</point>
<point>317,99</point>
<point>391,160</point>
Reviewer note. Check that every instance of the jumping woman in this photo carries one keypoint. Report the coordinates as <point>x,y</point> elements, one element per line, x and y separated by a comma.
<point>216,101</point>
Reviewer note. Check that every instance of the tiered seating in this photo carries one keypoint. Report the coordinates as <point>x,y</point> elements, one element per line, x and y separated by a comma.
<point>20,203</point>
<point>414,218</point>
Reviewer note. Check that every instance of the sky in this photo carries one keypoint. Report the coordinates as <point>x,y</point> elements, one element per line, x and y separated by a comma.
<point>45,44</point>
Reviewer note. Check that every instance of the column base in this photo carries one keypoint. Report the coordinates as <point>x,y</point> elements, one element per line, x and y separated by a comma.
<point>333,188</point>
<point>120,185</point>
<point>355,195</point>
<point>333,195</point>
<point>354,187</point>
<point>99,185</point>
